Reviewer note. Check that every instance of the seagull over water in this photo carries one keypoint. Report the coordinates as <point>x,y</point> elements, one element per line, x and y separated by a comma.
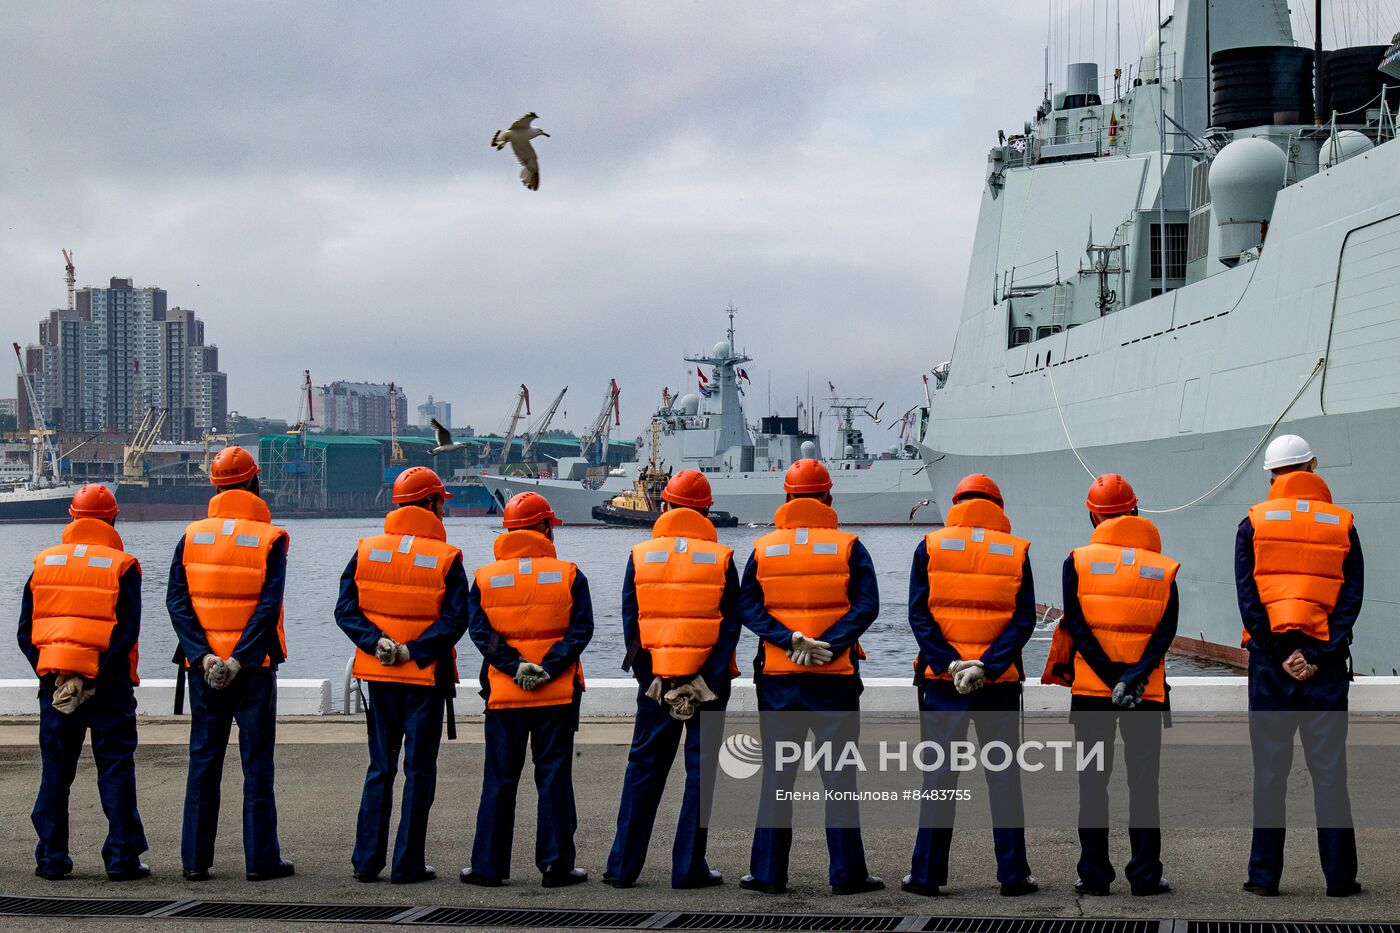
<point>519,135</point>
<point>445,444</point>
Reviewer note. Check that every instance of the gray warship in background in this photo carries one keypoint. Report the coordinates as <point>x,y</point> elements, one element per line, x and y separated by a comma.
<point>708,431</point>
<point>1168,270</point>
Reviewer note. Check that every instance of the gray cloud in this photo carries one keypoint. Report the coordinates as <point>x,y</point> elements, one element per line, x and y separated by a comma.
<point>314,179</point>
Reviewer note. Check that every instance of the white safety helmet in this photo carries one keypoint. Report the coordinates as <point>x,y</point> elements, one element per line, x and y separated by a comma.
<point>1287,450</point>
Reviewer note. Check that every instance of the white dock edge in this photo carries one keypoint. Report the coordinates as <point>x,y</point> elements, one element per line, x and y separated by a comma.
<point>612,698</point>
<point>157,697</point>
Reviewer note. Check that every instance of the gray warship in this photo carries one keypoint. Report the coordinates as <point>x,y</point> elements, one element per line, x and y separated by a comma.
<point>708,431</point>
<point>1167,270</point>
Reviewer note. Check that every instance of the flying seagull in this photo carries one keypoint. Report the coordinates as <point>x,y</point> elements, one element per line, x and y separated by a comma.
<point>921,504</point>
<point>445,444</point>
<point>519,136</point>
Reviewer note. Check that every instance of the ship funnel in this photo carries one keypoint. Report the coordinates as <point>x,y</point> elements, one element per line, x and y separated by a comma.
<point>1082,78</point>
<point>1245,179</point>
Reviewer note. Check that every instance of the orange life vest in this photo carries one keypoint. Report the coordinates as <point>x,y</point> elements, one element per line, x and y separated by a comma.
<point>679,580</point>
<point>1300,543</point>
<point>225,559</point>
<point>804,569</point>
<point>401,577</point>
<point>75,588</point>
<point>527,594</point>
<point>974,574</point>
<point>1125,583</point>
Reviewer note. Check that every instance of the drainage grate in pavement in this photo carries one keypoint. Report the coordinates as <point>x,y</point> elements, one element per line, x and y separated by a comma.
<point>1285,926</point>
<point>80,906</point>
<point>257,910</point>
<point>1047,925</point>
<point>799,923</point>
<point>495,917</point>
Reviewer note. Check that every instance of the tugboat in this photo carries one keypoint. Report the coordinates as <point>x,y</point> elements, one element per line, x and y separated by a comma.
<point>640,506</point>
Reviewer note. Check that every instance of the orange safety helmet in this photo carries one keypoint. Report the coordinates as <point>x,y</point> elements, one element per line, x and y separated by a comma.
<point>690,488</point>
<point>979,483</point>
<point>94,501</point>
<point>1111,494</point>
<point>232,465</point>
<point>807,476</point>
<point>417,483</point>
<point>526,509</point>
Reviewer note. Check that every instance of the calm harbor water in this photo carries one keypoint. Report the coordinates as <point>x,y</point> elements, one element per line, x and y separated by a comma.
<point>320,549</point>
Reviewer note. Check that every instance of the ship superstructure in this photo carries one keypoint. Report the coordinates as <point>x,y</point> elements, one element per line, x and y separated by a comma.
<point>1167,268</point>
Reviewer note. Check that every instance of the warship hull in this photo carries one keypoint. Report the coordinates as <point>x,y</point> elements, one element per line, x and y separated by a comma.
<point>883,494</point>
<point>1180,390</point>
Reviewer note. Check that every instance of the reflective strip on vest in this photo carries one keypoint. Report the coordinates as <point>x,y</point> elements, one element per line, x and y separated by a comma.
<point>952,544</point>
<point>247,541</point>
<point>502,580</point>
<point>56,560</point>
<point>1278,515</point>
<point>704,557</point>
<point>1130,557</point>
<point>549,576</point>
<point>682,544</point>
<point>1152,573</point>
<point>678,602</point>
<point>80,550</point>
<point>526,567</point>
<point>1002,550</point>
<point>979,535</point>
<point>802,535</point>
<point>425,560</point>
<point>381,556</point>
<point>204,537</point>
<point>1101,567</point>
<point>406,544</point>
<point>1327,519</point>
<point>776,550</point>
<point>972,587</point>
<point>102,562</point>
<point>229,525</point>
<point>657,557</point>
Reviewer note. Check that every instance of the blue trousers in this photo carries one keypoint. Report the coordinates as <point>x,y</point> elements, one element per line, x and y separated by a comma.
<point>1316,709</point>
<point>945,717</point>
<point>403,717</point>
<point>110,717</point>
<point>549,733</point>
<point>1096,720</point>
<point>251,701</point>
<point>655,739</point>
<point>790,705</point>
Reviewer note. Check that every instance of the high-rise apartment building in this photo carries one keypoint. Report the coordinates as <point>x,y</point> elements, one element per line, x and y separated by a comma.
<point>430,409</point>
<point>357,407</point>
<point>121,350</point>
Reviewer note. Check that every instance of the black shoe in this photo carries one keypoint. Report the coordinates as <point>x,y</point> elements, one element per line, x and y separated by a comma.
<point>427,874</point>
<point>1152,890</point>
<point>1263,890</point>
<point>750,883</point>
<point>1082,887</point>
<point>617,882</point>
<point>134,873</point>
<point>708,880</point>
<point>558,877</point>
<point>467,876</point>
<point>1345,890</point>
<point>366,877</point>
<point>283,869</point>
<point>60,874</point>
<point>923,890</point>
<point>195,874</point>
<point>864,886</point>
<point>1019,888</point>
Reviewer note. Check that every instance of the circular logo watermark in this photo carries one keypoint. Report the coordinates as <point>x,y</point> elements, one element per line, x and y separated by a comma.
<point>741,756</point>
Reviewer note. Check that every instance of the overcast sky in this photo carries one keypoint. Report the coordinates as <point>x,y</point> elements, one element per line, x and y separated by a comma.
<point>315,181</point>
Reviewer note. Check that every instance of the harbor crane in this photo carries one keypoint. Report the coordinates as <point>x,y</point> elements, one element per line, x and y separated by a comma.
<point>70,276</point>
<point>532,436</point>
<point>41,435</point>
<point>523,399</point>
<point>134,454</point>
<point>396,457</point>
<point>594,443</point>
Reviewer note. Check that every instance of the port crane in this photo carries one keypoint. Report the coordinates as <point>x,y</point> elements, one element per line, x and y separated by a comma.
<point>70,276</point>
<point>523,399</point>
<point>396,457</point>
<point>594,443</point>
<point>532,436</point>
<point>134,454</point>
<point>41,435</point>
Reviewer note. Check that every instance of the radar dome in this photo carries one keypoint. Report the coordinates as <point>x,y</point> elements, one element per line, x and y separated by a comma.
<point>721,351</point>
<point>1245,179</point>
<point>1343,145</point>
<point>809,450</point>
<point>689,404</point>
